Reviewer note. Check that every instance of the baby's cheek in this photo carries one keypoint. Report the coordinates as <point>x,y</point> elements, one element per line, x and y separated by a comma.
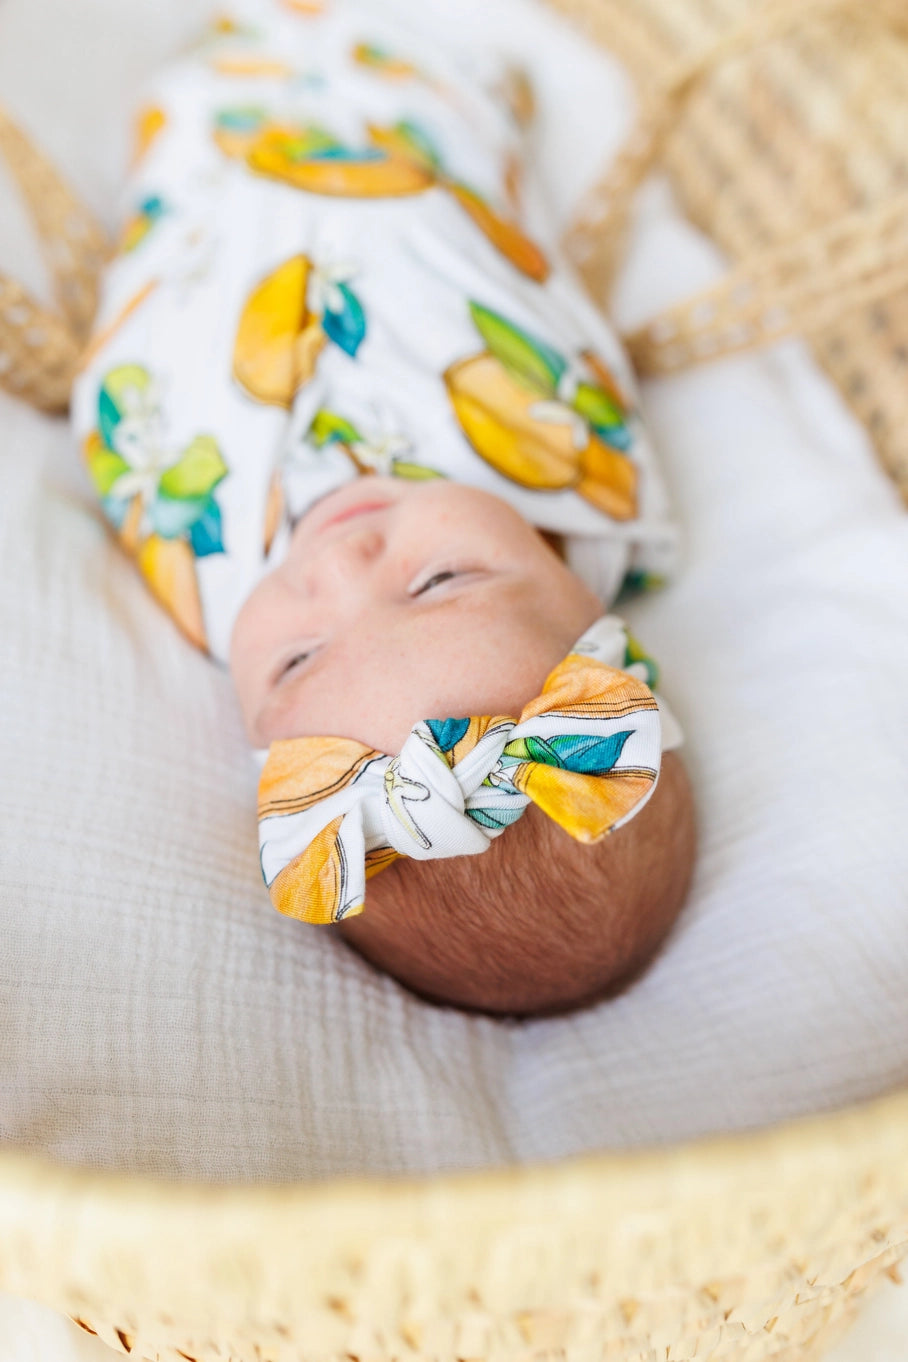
<point>240,673</point>
<point>255,639</point>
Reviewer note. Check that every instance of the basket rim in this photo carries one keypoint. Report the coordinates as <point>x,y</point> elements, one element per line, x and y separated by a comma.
<point>804,1210</point>
<point>882,1119</point>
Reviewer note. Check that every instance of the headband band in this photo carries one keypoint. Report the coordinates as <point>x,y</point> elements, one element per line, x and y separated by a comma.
<point>587,751</point>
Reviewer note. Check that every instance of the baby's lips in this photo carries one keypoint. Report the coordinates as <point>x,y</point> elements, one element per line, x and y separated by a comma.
<point>358,497</point>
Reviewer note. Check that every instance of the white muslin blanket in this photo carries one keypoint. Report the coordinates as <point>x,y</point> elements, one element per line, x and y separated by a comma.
<point>158,1016</point>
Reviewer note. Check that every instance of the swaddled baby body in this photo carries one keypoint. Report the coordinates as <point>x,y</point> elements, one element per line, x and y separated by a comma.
<point>368,442</point>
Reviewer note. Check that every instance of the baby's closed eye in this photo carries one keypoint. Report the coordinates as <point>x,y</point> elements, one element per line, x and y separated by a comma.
<point>435,580</point>
<point>437,577</point>
<point>291,664</point>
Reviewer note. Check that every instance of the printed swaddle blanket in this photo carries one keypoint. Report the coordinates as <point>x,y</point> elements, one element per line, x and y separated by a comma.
<point>324,272</point>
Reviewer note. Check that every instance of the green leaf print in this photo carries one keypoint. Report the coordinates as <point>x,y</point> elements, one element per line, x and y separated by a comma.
<point>635,652</point>
<point>419,144</point>
<point>174,517</point>
<point>348,327</point>
<point>417,472</point>
<point>588,754</point>
<point>597,407</point>
<point>111,398</point>
<point>200,468</point>
<point>241,118</point>
<point>105,467</point>
<point>311,141</point>
<point>330,428</point>
<point>540,750</point>
<point>527,359</point>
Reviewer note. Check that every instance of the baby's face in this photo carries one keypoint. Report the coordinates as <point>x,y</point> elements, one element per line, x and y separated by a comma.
<point>400,601</point>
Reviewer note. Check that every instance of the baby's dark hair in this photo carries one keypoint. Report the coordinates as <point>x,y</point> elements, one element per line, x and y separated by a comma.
<point>538,923</point>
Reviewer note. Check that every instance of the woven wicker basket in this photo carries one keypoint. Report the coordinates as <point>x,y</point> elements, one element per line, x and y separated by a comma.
<point>784,125</point>
<point>753,1247</point>
<point>756,1247</point>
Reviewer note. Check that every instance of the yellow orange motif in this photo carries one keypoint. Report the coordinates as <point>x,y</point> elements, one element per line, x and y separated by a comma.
<point>496,414</point>
<point>383,177</point>
<point>130,532</point>
<point>569,686</point>
<point>149,124</point>
<point>585,806</point>
<point>517,91</point>
<point>309,9</point>
<point>392,68</point>
<point>309,888</point>
<point>478,727</point>
<point>224,24</point>
<point>100,338</point>
<point>269,67</point>
<point>379,859</point>
<point>168,565</point>
<point>394,142</point>
<point>513,182</point>
<point>300,772</point>
<point>504,234</point>
<point>608,480</point>
<point>605,379</point>
<point>404,167</point>
<point>274,511</point>
<point>233,142</point>
<point>278,339</point>
<point>134,231</point>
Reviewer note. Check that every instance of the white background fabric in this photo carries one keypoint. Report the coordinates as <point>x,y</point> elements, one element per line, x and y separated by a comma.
<point>156,1014</point>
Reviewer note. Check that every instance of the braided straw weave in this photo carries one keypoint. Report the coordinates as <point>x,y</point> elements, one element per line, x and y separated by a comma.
<point>784,126</point>
<point>40,349</point>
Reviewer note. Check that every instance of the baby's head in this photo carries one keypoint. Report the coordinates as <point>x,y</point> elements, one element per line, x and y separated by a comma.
<point>399,601</point>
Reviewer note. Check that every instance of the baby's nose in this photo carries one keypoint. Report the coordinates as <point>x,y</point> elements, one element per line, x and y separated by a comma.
<point>346,561</point>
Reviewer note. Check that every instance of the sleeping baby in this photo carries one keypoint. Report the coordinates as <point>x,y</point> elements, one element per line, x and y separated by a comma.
<point>370,446</point>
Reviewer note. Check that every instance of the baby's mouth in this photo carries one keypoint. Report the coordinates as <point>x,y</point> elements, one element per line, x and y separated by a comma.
<point>348,502</point>
<point>361,508</point>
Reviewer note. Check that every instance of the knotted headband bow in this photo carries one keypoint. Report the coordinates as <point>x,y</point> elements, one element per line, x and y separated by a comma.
<point>587,751</point>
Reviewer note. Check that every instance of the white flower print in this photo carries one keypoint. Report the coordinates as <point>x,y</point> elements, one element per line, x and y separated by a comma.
<point>560,411</point>
<point>323,292</point>
<point>381,452</point>
<point>139,440</point>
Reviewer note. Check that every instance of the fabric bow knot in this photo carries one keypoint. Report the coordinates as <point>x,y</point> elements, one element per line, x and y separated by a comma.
<point>332,811</point>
